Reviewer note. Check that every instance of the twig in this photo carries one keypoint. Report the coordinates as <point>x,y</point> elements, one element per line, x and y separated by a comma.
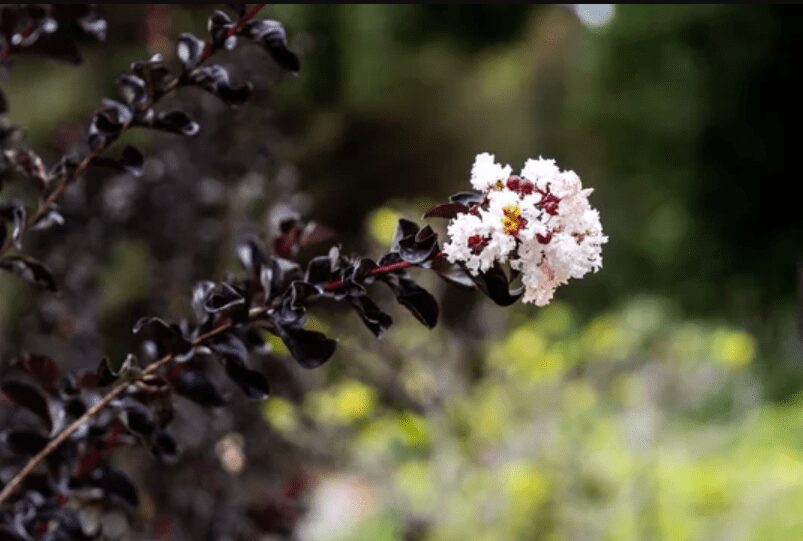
<point>118,389</point>
<point>384,269</point>
<point>107,399</point>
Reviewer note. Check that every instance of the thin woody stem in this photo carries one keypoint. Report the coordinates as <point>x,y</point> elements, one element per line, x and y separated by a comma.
<point>43,208</point>
<point>82,167</point>
<point>118,389</point>
<point>384,269</point>
<point>107,399</point>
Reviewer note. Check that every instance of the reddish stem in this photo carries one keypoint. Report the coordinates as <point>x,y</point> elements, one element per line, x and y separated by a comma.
<point>383,269</point>
<point>5,53</point>
<point>209,48</point>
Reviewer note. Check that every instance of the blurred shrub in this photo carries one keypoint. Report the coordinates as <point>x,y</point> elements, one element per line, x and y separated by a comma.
<point>576,431</point>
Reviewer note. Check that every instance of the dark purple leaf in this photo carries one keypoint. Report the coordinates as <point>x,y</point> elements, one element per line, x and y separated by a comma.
<point>496,285</point>
<point>115,484</point>
<point>374,318</point>
<point>418,248</point>
<point>284,272</point>
<point>252,383</point>
<point>47,220</point>
<point>164,446</point>
<point>131,160</point>
<point>175,122</point>
<point>15,213</point>
<point>194,384</point>
<point>319,270</point>
<point>445,210</point>
<point>199,293</point>
<point>75,408</point>
<point>467,198</point>
<point>168,337</point>
<point>154,73</point>
<point>223,297</point>
<point>272,36</point>
<point>138,418</point>
<point>133,90</point>
<point>30,397</point>
<point>189,50</point>
<point>108,123</point>
<point>453,274</point>
<point>254,340</point>
<point>215,80</point>
<point>29,270</point>
<point>105,374</point>
<point>23,441</point>
<point>310,348</point>
<point>219,26</point>
<point>251,254</point>
<point>404,229</point>
<point>84,15</point>
<point>94,25</point>
<point>415,298</point>
<point>230,347</point>
<point>292,311</point>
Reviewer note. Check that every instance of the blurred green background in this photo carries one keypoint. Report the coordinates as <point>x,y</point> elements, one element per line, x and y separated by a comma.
<point>657,399</point>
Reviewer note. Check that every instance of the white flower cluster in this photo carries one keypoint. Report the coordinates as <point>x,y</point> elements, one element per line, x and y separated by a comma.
<point>540,222</point>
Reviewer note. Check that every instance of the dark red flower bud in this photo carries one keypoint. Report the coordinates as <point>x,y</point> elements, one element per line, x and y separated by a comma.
<point>477,243</point>
<point>544,239</point>
<point>550,204</point>
<point>513,182</point>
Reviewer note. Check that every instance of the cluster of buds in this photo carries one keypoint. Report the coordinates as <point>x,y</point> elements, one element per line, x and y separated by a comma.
<point>540,222</point>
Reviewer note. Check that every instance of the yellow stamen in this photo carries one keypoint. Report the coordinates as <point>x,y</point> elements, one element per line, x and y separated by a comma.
<point>512,221</point>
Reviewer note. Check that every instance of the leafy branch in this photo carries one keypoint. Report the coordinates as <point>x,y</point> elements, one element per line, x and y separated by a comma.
<point>254,314</point>
<point>141,90</point>
<point>80,413</point>
<point>101,405</point>
<point>274,296</point>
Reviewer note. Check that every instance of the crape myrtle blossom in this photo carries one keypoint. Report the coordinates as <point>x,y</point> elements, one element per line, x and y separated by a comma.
<point>539,222</point>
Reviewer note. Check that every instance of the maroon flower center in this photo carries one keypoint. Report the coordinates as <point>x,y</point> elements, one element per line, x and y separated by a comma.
<point>550,203</point>
<point>544,239</point>
<point>476,243</point>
